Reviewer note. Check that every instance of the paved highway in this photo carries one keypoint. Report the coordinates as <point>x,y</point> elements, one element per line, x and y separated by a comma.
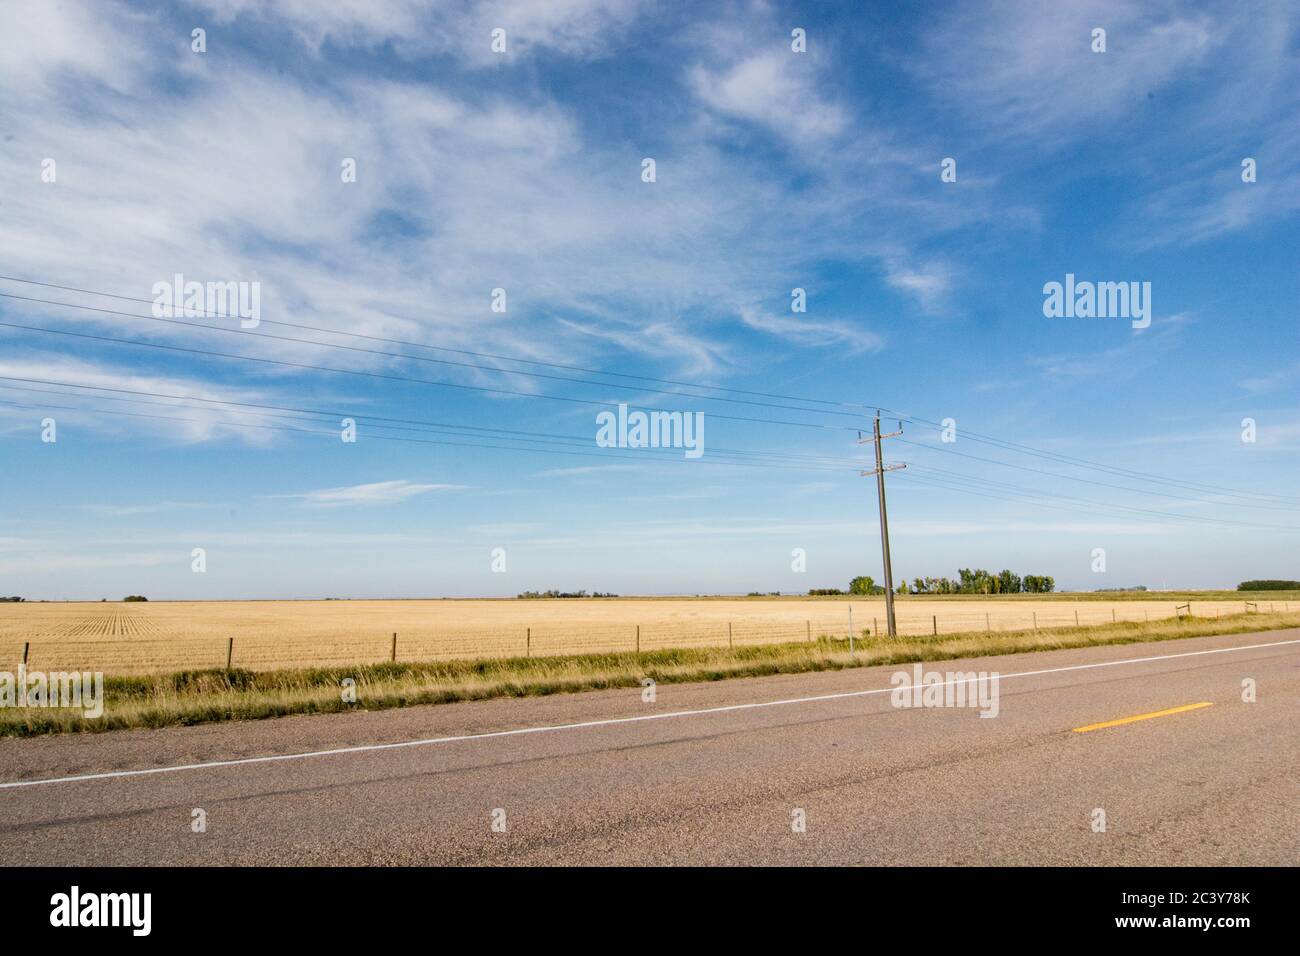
<point>714,773</point>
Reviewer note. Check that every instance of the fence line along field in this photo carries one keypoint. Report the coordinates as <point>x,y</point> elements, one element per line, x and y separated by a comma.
<point>168,636</point>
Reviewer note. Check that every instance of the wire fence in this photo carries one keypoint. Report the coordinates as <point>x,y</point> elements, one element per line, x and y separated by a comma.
<point>264,650</point>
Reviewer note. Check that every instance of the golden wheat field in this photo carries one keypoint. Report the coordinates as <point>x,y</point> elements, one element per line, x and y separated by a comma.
<point>165,636</point>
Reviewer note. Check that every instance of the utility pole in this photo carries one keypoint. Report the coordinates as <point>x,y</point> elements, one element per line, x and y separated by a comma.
<point>879,472</point>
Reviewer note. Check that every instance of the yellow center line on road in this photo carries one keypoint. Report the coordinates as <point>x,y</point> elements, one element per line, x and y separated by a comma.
<point>1156,713</point>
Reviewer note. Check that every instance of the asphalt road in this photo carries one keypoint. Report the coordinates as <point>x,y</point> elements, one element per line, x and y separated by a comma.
<point>876,783</point>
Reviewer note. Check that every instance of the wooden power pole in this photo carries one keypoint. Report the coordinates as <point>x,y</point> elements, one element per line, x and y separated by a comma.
<point>879,472</point>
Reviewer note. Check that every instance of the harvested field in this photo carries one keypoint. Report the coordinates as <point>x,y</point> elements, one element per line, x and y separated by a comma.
<point>168,636</point>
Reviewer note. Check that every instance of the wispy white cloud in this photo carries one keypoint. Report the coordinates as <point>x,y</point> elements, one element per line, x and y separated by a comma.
<point>808,332</point>
<point>1138,349</point>
<point>53,44</point>
<point>462,28</point>
<point>460,188</point>
<point>484,191</point>
<point>776,90</point>
<point>582,470</point>
<point>1273,380</point>
<point>374,493</point>
<point>36,383</point>
<point>1200,86</point>
<point>928,282</point>
<point>1274,432</point>
<point>1028,66</point>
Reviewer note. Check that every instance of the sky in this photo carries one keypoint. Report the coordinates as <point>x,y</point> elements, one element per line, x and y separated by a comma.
<point>502,267</point>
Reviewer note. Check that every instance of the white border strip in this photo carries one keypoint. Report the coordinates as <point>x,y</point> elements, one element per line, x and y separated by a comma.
<point>368,748</point>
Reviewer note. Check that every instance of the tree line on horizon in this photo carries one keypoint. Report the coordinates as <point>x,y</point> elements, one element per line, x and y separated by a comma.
<point>969,581</point>
<point>564,594</point>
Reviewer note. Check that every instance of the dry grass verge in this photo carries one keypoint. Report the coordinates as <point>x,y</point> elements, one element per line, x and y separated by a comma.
<point>203,696</point>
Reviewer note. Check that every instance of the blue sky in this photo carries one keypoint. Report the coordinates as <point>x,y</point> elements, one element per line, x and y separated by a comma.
<point>522,170</point>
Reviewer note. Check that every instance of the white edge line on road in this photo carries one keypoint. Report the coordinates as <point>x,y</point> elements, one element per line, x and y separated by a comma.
<point>367,748</point>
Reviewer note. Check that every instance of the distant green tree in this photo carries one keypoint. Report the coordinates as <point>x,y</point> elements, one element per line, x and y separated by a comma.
<point>863,584</point>
<point>933,586</point>
<point>980,581</point>
<point>977,581</point>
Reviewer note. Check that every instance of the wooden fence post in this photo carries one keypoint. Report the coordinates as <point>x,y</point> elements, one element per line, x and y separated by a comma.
<point>729,643</point>
<point>808,624</point>
<point>528,643</point>
<point>935,620</point>
<point>394,656</point>
<point>27,646</point>
<point>638,638</point>
<point>1076,617</point>
<point>230,652</point>
<point>1035,613</point>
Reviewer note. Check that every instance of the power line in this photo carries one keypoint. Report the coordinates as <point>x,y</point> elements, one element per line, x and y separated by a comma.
<point>414,358</point>
<point>975,436</point>
<point>282,408</point>
<point>1034,500</point>
<point>1031,493</point>
<point>1089,481</point>
<point>1096,466</point>
<point>459,386</point>
<point>717,456</point>
<point>394,378</point>
<point>406,424</point>
<point>650,458</point>
<point>442,348</point>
